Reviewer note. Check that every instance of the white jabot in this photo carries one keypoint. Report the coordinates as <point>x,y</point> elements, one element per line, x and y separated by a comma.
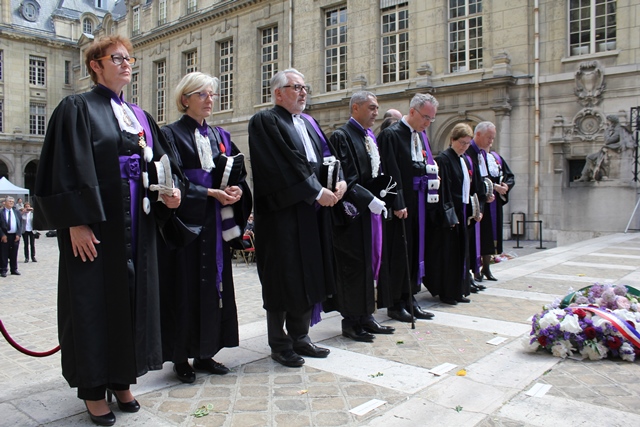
<point>466,182</point>
<point>493,166</point>
<point>416,147</point>
<point>301,128</point>
<point>204,151</point>
<point>374,155</point>
<point>482,165</point>
<point>126,119</point>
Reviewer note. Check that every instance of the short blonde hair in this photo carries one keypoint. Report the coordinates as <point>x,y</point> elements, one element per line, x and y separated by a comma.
<point>193,82</point>
<point>460,131</point>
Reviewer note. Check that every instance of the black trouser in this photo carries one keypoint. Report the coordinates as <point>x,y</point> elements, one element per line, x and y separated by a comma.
<point>98,393</point>
<point>29,240</point>
<point>297,334</point>
<point>9,251</point>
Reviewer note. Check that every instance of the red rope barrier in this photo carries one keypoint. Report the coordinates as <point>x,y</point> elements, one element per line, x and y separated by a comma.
<point>21,349</point>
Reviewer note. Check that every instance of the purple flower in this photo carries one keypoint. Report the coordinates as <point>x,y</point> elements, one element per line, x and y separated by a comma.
<point>620,290</point>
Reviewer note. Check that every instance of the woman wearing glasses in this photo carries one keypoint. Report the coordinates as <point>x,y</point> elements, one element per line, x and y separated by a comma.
<point>101,160</point>
<point>198,300</point>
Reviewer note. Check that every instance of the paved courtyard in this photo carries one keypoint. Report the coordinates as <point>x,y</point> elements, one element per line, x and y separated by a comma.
<point>405,379</point>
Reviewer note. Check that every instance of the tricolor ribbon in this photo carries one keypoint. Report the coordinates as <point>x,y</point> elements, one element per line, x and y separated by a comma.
<point>621,325</point>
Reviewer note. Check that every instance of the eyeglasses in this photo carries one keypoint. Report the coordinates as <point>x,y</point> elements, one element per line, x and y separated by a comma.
<point>426,116</point>
<point>298,88</point>
<point>118,59</point>
<point>203,95</point>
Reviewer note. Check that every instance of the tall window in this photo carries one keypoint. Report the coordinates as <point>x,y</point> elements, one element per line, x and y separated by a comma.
<point>226,75</point>
<point>37,71</point>
<point>269,60</point>
<point>465,35</point>
<point>1,65</point>
<point>192,6</point>
<point>395,43</point>
<point>335,49</point>
<point>135,18</point>
<point>191,61</point>
<point>162,12</point>
<point>87,26</point>
<point>37,118</point>
<point>67,72</point>
<point>592,26</point>
<point>134,88</point>
<point>161,83</point>
<point>1,115</point>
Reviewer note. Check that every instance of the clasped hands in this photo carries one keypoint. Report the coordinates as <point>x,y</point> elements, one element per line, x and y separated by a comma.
<point>329,198</point>
<point>228,196</point>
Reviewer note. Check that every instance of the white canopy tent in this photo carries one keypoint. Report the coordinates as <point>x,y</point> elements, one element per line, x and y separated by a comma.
<point>7,187</point>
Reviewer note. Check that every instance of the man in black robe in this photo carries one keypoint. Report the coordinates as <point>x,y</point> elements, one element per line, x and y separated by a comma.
<point>406,156</point>
<point>481,242</point>
<point>294,251</point>
<point>358,240</point>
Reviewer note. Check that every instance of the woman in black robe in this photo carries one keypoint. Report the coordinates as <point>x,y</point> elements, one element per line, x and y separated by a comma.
<point>199,314</point>
<point>92,187</point>
<point>448,251</point>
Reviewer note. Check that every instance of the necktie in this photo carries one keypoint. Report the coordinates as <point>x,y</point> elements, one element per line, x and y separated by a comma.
<point>304,135</point>
<point>8,220</point>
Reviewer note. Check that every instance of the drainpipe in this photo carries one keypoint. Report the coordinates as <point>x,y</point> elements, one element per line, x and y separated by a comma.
<point>290,34</point>
<point>536,123</point>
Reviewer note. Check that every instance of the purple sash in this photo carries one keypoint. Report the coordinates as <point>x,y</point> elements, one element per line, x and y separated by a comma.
<point>476,228</point>
<point>325,147</point>
<point>130,170</point>
<point>205,179</point>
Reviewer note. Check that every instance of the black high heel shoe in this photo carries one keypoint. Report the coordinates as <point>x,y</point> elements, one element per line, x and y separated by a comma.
<point>488,275</point>
<point>132,406</point>
<point>101,420</point>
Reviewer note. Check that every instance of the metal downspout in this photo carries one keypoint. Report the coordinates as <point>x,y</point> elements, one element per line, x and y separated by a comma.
<point>536,137</point>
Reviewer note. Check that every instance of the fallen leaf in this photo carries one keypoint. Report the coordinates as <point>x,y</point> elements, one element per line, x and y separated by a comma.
<point>399,342</point>
<point>461,373</point>
<point>379,374</point>
<point>303,391</point>
<point>580,274</point>
<point>458,408</point>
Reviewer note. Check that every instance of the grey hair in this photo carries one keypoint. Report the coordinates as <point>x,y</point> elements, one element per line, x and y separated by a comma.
<point>360,97</point>
<point>483,127</point>
<point>420,99</point>
<point>280,79</point>
<point>9,199</point>
<point>193,82</point>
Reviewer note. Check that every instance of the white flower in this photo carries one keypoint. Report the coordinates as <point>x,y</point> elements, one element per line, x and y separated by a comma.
<point>626,352</point>
<point>528,345</point>
<point>599,322</point>
<point>550,319</point>
<point>562,349</point>
<point>570,324</point>
<point>626,314</point>
<point>594,350</point>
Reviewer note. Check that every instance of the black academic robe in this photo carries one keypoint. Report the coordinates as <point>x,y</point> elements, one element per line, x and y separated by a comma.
<point>492,218</point>
<point>352,239</point>
<point>197,321</point>
<point>394,144</point>
<point>294,249</point>
<point>108,309</point>
<point>448,247</point>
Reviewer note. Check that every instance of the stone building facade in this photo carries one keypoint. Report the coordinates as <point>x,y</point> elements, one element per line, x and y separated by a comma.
<point>546,72</point>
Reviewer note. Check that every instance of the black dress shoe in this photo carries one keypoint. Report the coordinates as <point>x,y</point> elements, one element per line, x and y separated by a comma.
<point>463,299</point>
<point>400,315</point>
<point>34,260</point>
<point>184,372</point>
<point>3,274</point>
<point>477,277</point>
<point>210,365</point>
<point>373,327</point>
<point>356,333</point>
<point>102,420</point>
<point>480,287</point>
<point>26,260</point>
<point>419,313</point>
<point>449,301</point>
<point>131,407</point>
<point>489,276</point>
<point>473,289</point>
<point>15,273</point>
<point>312,350</point>
<point>288,358</point>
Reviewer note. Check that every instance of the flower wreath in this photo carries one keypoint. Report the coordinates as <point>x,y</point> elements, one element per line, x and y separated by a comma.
<point>595,321</point>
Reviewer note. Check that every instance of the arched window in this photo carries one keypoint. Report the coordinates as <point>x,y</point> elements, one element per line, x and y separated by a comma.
<point>87,26</point>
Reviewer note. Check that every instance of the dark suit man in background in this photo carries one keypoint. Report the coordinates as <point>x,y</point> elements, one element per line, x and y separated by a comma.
<point>10,232</point>
<point>294,251</point>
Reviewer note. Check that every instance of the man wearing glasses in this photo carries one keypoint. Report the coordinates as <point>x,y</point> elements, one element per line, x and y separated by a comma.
<point>294,252</point>
<point>406,155</point>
